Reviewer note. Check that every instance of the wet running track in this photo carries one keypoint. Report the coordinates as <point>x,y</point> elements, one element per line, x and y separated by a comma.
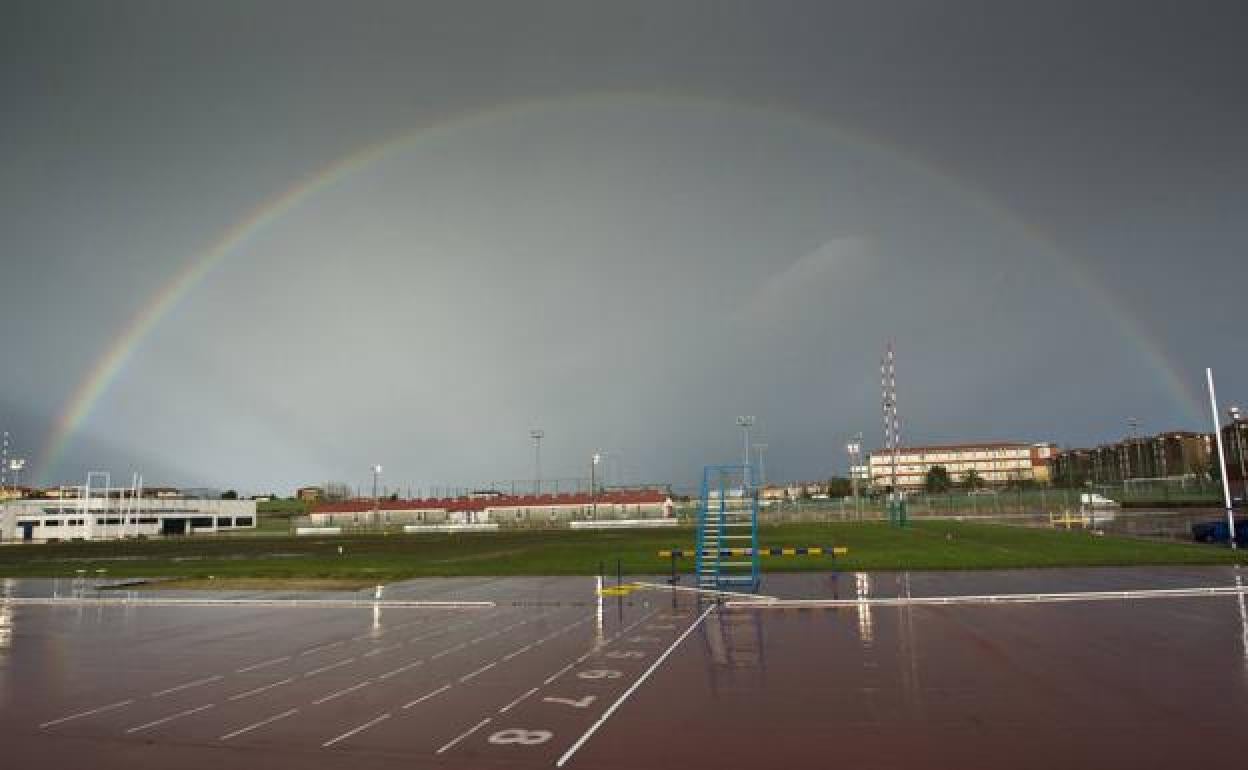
<point>552,676</point>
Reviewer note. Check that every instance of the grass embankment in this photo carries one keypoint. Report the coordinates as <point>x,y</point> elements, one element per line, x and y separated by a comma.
<point>378,559</point>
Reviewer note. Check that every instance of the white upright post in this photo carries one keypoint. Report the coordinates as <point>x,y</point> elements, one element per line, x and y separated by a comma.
<point>1226,484</point>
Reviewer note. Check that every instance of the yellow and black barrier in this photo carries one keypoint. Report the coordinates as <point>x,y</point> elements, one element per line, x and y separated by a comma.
<point>676,553</point>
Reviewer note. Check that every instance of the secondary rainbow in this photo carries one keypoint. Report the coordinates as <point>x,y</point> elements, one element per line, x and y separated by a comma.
<point>106,368</point>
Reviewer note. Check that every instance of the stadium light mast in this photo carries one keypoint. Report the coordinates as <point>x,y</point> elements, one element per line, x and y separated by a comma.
<point>892,429</point>
<point>537,434</point>
<point>1217,433</point>
<point>745,422</point>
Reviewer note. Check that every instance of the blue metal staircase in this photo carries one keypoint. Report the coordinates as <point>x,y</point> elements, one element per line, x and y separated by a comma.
<point>727,536</point>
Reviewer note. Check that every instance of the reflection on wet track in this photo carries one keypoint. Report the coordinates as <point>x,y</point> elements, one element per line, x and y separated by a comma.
<point>558,672</point>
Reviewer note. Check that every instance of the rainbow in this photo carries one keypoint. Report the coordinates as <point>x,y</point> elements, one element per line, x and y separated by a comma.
<point>121,349</point>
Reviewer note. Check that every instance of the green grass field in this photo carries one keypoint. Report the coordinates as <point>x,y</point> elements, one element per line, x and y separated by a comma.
<point>383,558</point>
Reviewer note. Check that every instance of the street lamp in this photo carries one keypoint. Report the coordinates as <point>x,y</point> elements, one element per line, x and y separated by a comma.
<point>759,449</point>
<point>745,422</point>
<point>537,434</point>
<point>376,473</point>
<point>1134,425</point>
<point>1236,419</point>
<point>593,476</point>
<point>854,448</point>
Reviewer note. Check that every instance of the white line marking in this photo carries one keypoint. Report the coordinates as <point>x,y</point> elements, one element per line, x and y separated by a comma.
<point>261,723</point>
<point>708,591</point>
<point>340,693</point>
<point>520,651</point>
<point>516,702</point>
<point>640,680</point>
<point>1037,598</point>
<point>558,674</point>
<point>449,650</point>
<point>98,710</point>
<point>480,724</point>
<point>481,670</point>
<point>262,688</point>
<point>323,647</point>
<point>331,666</point>
<point>171,717</point>
<point>426,697</point>
<point>132,601</point>
<point>380,650</point>
<point>400,669</point>
<point>187,686</point>
<point>264,664</point>
<point>351,732</point>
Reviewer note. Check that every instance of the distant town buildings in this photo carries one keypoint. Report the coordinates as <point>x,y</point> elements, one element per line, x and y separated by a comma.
<point>1171,455</point>
<point>995,463</point>
<point>310,494</point>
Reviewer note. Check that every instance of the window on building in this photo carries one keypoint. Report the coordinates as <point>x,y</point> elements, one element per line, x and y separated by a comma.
<point>242,521</point>
<point>223,521</point>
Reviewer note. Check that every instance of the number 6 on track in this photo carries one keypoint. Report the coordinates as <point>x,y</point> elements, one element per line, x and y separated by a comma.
<point>582,703</point>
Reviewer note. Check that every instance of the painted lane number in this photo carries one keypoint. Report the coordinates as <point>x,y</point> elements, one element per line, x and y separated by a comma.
<point>520,736</point>
<point>580,703</point>
<point>599,673</point>
<point>622,654</point>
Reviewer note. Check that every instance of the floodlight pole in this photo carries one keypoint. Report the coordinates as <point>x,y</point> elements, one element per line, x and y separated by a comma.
<point>760,449</point>
<point>854,448</point>
<point>537,434</point>
<point>593,478</point>
<point>376,512</point>
<point>1226,484</point>
<point>745,422</point>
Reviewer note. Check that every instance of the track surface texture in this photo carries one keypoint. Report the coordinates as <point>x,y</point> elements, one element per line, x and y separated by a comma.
<point>553,675</point>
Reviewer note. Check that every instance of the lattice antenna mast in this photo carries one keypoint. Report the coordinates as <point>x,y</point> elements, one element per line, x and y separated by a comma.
<point>892,424</point>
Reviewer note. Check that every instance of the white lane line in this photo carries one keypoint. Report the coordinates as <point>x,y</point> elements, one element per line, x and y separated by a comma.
<point>353,731</point>
<point>584,657</point>
<point>449,650</point>
<point>520,651</point>
<point>481,670</point>
<point>640,680</point>
<point>259,724</point>
<point>381,650</point>
<point>263,664</point>
<point>260,689</point>
<point>97,710</point>
<point>400,669</point>
<point>330,667</point>
<point>188,685</point>
<point>558,674</point>
<point>171,717</point>
<point>516,702</point>
<point>340,693</point>
<point>427,696</point>
<point>480,724</point>
<point>324,647</point>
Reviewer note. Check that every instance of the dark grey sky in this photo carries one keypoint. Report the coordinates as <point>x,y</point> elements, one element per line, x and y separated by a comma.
<point>624,222</point>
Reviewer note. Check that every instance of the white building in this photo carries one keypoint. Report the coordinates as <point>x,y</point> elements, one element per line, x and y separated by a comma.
<point>102,518</point>
<point>997,463</point>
